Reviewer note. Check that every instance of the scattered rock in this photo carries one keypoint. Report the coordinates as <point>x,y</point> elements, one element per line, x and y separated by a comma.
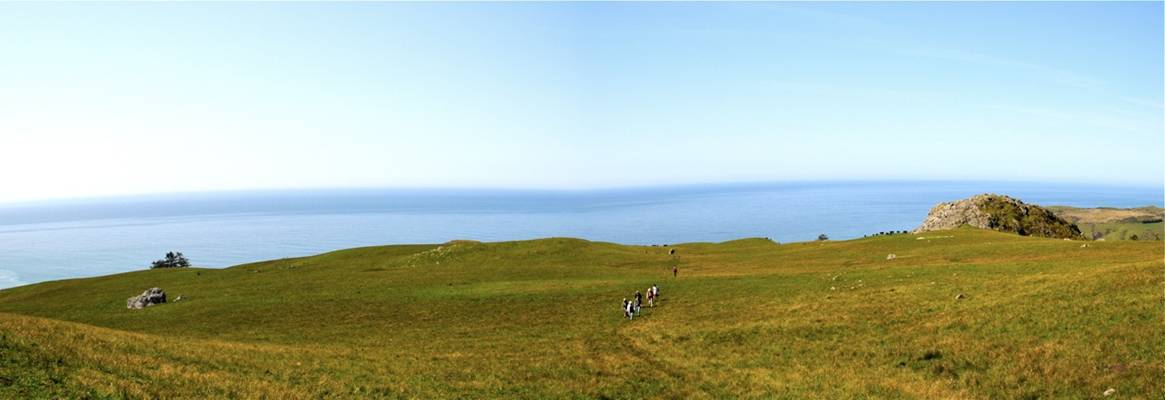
<point>177,299</point>
<point>148,298</point>
<point>1109,392</point>
<point>891,256</point>
<point>672,252</point>
<point>960,296</point>
<point>833,288</point>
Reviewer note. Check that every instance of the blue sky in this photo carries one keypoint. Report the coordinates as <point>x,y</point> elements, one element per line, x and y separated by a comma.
<point>108,99</point>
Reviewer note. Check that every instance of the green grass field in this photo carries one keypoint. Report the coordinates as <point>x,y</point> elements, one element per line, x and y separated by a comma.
<point>1141,223</point>
<point>1125,230</point>
<point>1040,318</point>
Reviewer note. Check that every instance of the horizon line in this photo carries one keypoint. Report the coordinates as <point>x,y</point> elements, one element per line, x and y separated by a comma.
<point>550,190</point>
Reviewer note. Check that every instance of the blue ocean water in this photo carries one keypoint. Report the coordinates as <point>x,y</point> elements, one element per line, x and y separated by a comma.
<point>66,239</point>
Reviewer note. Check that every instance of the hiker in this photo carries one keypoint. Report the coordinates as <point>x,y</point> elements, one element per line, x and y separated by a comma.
<point>654,291</point>
<point>650,297</point>
<point>624,307</point>
<point>675,271</point>
<point>630,310</point>
<point>638,301</point>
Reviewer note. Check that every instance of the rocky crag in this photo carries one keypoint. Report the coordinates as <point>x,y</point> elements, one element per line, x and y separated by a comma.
<point>999,213</point>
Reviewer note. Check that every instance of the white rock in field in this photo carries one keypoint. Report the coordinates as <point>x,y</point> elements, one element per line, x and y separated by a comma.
<point>1109,392</point>
<point>148,298</point>
<point>891,256</point>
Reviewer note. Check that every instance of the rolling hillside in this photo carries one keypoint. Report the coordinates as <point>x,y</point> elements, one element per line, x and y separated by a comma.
<point>963,313</point>
<point>1142,223</point>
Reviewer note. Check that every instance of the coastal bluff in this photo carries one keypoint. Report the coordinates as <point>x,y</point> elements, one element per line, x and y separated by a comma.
<point>999,213</point>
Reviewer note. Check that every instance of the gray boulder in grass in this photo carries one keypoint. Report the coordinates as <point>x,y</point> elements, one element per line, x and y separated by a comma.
<point>148,298</point>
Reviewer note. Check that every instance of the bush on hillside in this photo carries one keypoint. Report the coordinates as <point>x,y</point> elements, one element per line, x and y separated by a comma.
<point>173,260</point>
<point>822,237</point>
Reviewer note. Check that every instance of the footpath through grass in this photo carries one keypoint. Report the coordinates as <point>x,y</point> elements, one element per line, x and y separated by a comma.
<point>1037,318</point>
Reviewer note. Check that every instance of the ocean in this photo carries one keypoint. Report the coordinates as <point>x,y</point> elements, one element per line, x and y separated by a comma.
<point>80,238</point>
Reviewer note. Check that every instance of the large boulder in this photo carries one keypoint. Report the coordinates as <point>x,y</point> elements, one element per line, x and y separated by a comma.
<point>999,213</point>
<point>148,298</point>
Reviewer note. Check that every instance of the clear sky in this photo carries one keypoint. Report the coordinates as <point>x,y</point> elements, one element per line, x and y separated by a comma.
<point>107,99</point>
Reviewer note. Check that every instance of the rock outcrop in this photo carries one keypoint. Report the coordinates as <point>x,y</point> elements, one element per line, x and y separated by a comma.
<point>999,213</point>
<point>148,298</point>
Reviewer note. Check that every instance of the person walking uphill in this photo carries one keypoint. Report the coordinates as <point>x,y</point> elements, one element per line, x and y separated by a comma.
<point>675,271</point>
<point>638,301</point>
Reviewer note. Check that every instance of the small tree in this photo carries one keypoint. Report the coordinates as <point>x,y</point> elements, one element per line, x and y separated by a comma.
<point>822,237</point>
<point>174,259</point>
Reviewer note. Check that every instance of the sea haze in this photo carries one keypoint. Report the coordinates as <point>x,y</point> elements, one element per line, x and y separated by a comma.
<point>66,239</point>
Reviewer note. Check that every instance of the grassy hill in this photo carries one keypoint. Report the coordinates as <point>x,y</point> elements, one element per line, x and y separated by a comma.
<point>1039,318</point>
<point>1142,223</point>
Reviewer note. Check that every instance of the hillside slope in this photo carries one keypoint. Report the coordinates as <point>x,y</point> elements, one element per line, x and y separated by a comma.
<point>536,319</point>
<point>1141,223</point>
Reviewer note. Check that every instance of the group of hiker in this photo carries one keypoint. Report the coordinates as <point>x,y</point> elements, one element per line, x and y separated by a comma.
<point>632,307</point>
